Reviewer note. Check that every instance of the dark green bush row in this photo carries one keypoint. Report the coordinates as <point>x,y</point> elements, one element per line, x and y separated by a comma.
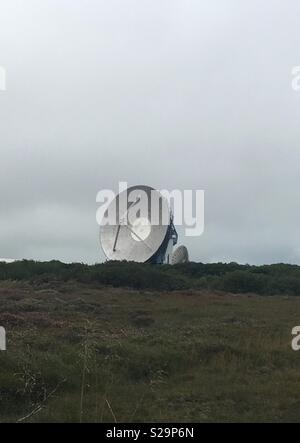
<point>266,280</point>
<point>132,275</point>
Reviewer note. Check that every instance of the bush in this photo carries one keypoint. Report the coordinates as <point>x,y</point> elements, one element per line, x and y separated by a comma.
<point>243,281</point>
<point>269,280</point>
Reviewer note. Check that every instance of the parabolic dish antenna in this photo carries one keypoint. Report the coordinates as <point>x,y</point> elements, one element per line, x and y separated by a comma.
<point>135,234</point>
<point>180,256</point>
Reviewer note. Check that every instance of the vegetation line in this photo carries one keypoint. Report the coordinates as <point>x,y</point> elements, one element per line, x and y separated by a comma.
<point>277,279</point>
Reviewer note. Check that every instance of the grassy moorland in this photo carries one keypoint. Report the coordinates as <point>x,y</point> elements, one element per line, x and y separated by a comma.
<point>149,349</point>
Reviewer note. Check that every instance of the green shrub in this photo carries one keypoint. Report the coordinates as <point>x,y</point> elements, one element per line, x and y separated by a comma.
<point>269,280</point>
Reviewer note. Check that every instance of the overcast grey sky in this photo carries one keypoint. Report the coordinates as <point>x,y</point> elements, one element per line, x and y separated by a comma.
<point>183,94</point>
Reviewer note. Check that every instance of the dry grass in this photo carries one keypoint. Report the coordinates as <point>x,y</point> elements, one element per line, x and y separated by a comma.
<point>80,353</point>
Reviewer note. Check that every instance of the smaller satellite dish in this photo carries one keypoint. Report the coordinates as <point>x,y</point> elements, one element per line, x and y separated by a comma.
<point>180,255</point>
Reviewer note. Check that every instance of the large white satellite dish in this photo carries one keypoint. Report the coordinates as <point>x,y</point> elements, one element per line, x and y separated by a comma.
<point>134,236</point>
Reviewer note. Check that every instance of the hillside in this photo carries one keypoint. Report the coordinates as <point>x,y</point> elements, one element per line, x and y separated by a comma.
<point>91,352</point>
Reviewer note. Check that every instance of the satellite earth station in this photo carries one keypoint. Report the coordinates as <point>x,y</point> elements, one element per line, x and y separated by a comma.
<point>136,238</point>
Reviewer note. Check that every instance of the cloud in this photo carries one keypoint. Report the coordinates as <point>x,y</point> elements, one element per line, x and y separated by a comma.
<point>177,95</point>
